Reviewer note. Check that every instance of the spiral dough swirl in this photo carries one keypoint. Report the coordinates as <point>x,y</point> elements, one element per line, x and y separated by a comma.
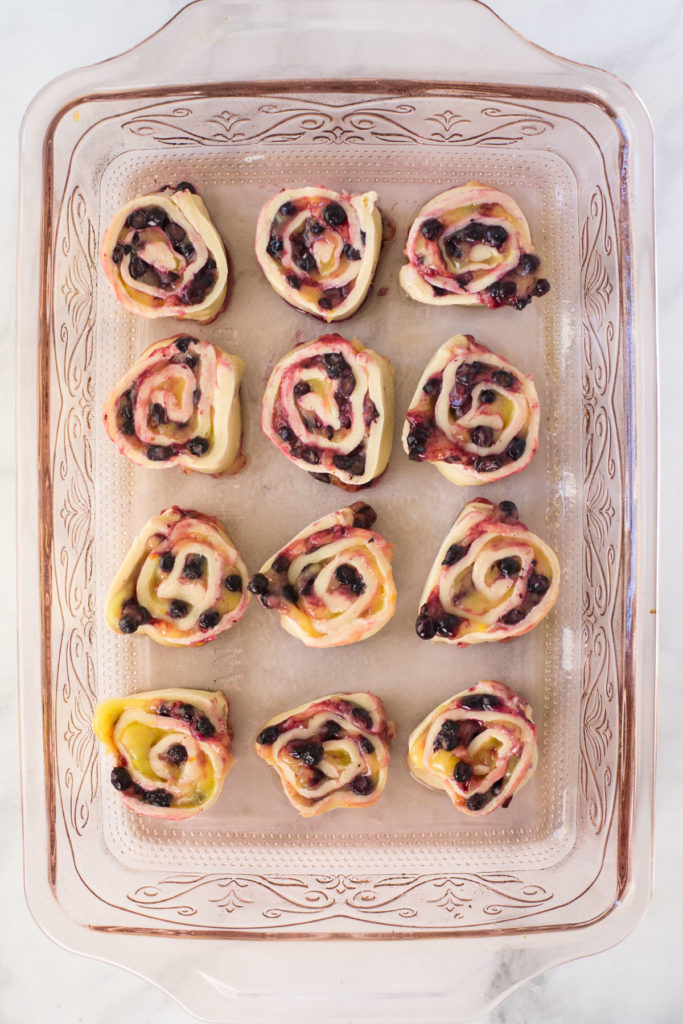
<point>332,584</point>
<point>172,749</point>
<point>179,405</point>
<point>473,416</point>
<point>331,753</point>
<point>471,246</point>
<point>492,579</point>
<point>329,408</point>
<point>480,747</point>
<point>163,256</point>
<point>182,582</point>
<point>319,249</point>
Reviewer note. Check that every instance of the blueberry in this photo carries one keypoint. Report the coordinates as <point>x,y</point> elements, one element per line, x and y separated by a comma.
<point>324,302</point>
<point>198,446</point>
<point>294,282</point>
<point>454,554</point>
<point>290,594</point>
<point>351,253</point>
<point>495,236</point>
<point>268,735</point>
<point>315,227</point>
<point>274,246</point>
<point>431,228</point>
<point>233,583</point>
<point>480,702</point>
<point>204,726</point>
<point>522,303</point>
<point>301,388</point>
<point>516,448</point>
<point>258,584</point>
<point>361,785</point>
<point>311,456</point>
<point>496,788</point>
<point>487,464</point>
<point>166,562</point>
<point>185,249</point>
<point>528,264</point>
<point>186,712</point>
<point>175,232</point>
<point>482,437</point>
<point>209,619</point>
<point>538,584</point>
<point>476,802</point>
<point>513,617</point>
<point>120,778</point>
<point>176,753</point>
<point>425,627</point>
<point>447,625</point>
<point>309,754</point>
<point>464,279</point>
<point>280,564</point>
<point>504,379</point>
<point>160,452</point>
<point>432,386</point>
<point>194,567</point>
<point>509,509</point>
<point>487,396</point>
<point>509,566</point>
<point>448,736</point>
<point>473,233</point>
<point>158,798</point>
<point>542,287</point>
<point>182,344</point>
<point>306,261</point>
<point>178,609</point>
<point>334,215</point>
<point>453,250</point>
<point>365,745</point>
<point>462,772</point>
<point>361,716</point>
<point>501,291</point>
<point>286,434</point>
<point>185,186</point>
<point>137,219</point>
<point>349,576</point>
<point>136,267</point>
<point>336,366</point>
<point>134,616</point>
<point>331,730</point>
<point>288,209</point>
<point>156,217</point>
<point>157,414</point>
<point>117,254</point>
<point>364,517</point>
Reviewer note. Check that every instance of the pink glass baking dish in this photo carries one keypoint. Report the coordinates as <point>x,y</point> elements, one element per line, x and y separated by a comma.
<point>242,99</point>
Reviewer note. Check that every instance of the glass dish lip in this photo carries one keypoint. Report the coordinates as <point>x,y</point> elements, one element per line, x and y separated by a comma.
<point>645,539</point>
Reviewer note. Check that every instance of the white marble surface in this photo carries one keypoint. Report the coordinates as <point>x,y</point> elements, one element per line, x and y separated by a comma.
<point>640,980</point>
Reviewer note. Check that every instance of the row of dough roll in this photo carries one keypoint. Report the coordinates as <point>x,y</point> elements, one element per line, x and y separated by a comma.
<point>328,407</point>
<point>173,749</point>
<point>318,249</point>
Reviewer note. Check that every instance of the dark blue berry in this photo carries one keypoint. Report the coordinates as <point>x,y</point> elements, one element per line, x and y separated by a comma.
<point>268,735</point>
<point>120,778</point>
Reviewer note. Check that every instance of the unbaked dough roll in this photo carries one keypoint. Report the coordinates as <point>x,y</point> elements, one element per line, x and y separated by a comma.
<point>329,408</point>
<point>172,749</point>
<point>471,246</point>
<point>479,747</point>
<point>492,579</point>
<point>179,405</point>
<point>319,248</point>
<point>474,416</point>
<point>163,256</point>
<point>332,584</point>
<point>182,582</point>
<point>333,752</point>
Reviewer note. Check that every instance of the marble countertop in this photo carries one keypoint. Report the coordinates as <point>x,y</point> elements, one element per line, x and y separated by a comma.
<point>635,982</point>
